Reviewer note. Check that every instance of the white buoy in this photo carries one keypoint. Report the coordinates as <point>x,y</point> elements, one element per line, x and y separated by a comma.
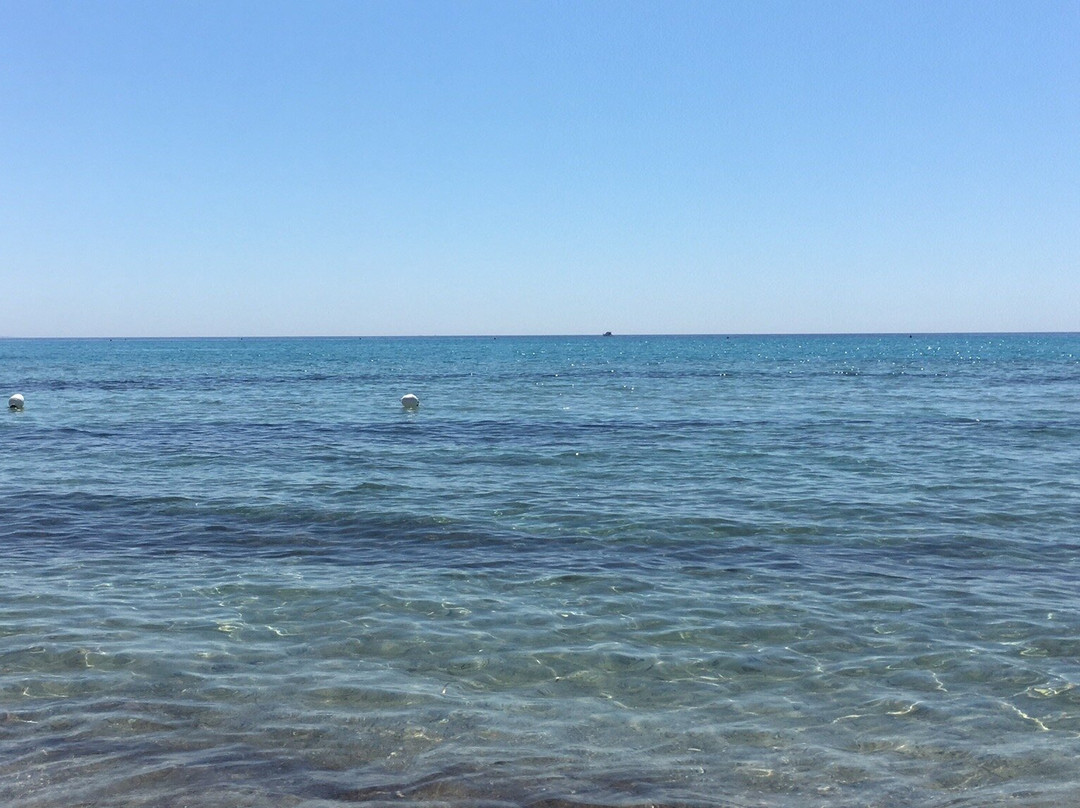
<point>410,402</point>
<point>16,402</point>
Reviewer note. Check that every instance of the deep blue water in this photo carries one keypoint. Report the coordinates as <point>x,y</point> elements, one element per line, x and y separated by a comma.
<point>697,571</point>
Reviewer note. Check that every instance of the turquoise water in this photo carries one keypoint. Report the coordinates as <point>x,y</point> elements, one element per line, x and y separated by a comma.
<point>627,571</point>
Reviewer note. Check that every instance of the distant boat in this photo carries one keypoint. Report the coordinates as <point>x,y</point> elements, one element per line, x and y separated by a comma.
<point>607,333</point>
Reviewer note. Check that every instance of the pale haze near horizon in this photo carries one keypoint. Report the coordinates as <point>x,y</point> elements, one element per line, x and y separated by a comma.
<point>340,168</point>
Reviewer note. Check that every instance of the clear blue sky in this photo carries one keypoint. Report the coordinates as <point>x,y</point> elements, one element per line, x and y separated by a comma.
<point>270,168</point>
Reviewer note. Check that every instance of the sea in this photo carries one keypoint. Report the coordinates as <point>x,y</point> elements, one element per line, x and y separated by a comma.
<point>587,572</point>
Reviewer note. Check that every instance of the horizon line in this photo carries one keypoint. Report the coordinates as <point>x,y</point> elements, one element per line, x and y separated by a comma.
<point>607,334</point>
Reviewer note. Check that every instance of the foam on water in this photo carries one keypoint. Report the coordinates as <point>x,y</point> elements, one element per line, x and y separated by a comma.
<point>846,574</point>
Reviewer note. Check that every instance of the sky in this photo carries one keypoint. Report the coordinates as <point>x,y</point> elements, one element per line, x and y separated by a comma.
<point>256,167</point>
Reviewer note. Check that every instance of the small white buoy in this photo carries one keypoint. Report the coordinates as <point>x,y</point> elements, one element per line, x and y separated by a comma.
<point>16,401</point>
<point>409,401</point>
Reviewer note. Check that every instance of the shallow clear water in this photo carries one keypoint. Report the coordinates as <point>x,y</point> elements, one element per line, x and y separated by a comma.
<point>747,571</point>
